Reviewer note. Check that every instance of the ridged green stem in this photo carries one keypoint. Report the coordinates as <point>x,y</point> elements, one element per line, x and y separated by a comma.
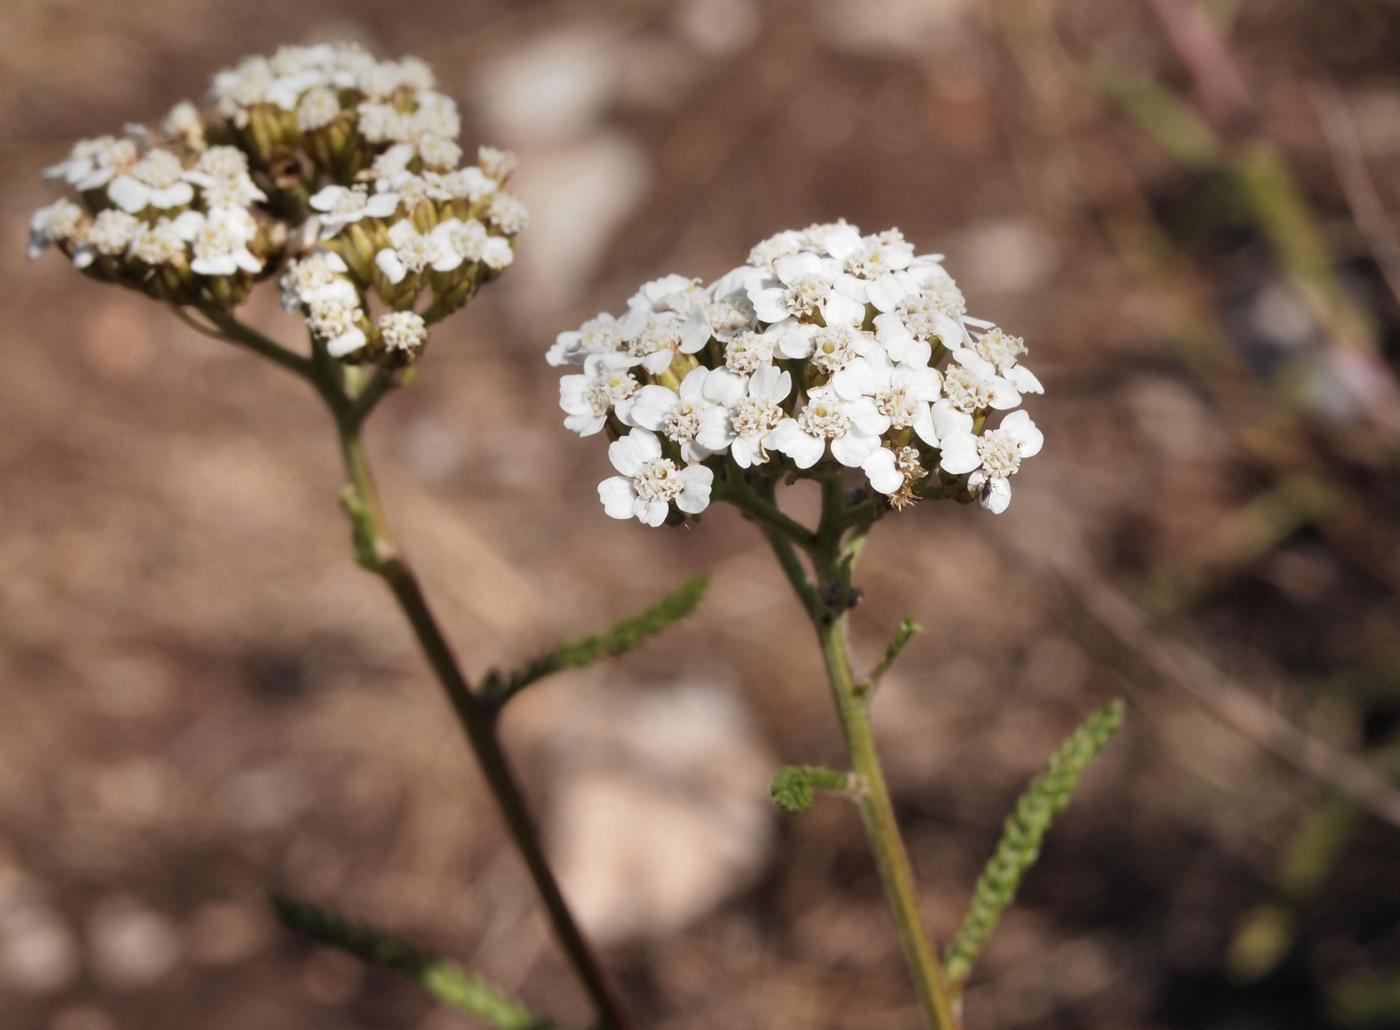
<point>881,828</point>
<point>832,550</point>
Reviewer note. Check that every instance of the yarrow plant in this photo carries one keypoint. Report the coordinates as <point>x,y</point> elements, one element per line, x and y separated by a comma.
<point>828,356</point>
<point>849,360</point>
<point>340,176</point>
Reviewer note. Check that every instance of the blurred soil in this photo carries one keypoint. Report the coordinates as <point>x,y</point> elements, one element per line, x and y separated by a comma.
<point>203,697</point>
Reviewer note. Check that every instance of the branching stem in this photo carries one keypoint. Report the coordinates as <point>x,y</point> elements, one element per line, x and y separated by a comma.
<point>378,551</point>
<point>827,598</point>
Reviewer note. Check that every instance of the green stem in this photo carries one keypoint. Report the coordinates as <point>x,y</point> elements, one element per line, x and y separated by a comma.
<point>477,723</point>
<point>827,603</point>
<point>246,336</point>
<point>761,509</point>
<point>881,829</point>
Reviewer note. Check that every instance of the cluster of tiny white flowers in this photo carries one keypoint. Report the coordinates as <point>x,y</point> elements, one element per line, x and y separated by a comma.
<point>826,349</point>
<point>341,171</point>
<point>178,223</point>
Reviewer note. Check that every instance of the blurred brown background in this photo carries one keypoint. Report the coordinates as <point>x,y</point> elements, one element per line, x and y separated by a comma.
<point>1189,212</point>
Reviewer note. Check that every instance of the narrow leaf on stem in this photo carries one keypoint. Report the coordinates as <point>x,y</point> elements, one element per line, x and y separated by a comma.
<point>1023,832</point>
<point>499,687</point>
<point>908,629</point>
<point>447,981</point>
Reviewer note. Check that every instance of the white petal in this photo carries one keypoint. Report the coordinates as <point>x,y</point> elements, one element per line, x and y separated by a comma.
<point>996,495</point>
<point>128,194</point>
<point>326,198</point>
<point>695,333</point>
<point>725,387</point>
<point>949,421</point>
<point>839,309</point>
<point>651,404</point>
<point>389,262</point>
<point>695,498</point>
<point>924,426</point>
<point>959,453</point>
<point>770,384</point>
<point>627,453</point>
<point>894,335</point>
<point>885,292</point>
<point>1004,395</point>
<point>1023,379</point>
<point>790,266</point>
<point>616,495</point>
<point>715,433</point>
<point>1024,432</point>
<point>853,448</point>
<point>693,385</point>
<point>584,423</point>
<point>747,451</point>
<point>173,195</point>
<point>650,513</point>
<point>768,305</point>
<point>658,361</point>
<point>794,338</point>
<point>343,345</point>
<point>855,380</point>
<point>866,417</point>
<point>881,471</point>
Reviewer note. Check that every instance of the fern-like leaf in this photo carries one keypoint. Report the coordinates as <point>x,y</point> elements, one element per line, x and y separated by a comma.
<point>446,981</point>
<point>1023,833</point>
<point>499,687</point>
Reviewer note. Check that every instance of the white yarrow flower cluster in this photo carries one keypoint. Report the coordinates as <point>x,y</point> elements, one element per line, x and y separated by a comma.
<point>341,170</point>
<point>827,349</point>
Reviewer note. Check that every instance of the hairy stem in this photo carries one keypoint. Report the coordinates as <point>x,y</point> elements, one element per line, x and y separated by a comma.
<point>827,602</point>
<point>881,829</point>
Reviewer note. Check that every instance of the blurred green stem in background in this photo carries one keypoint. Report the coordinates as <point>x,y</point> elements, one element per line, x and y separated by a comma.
<point>351,398</point>
<point>454,986</point>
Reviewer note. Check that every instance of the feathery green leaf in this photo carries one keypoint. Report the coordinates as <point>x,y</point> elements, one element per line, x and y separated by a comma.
<point>793,786</point>
<point>499,687</point>
<point>447,981</point>
<point>1023,832</point>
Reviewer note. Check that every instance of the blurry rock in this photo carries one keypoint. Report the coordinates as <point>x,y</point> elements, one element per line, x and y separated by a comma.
<point>1010,256</point>
<point>718,27</point>
<point>578,195</point>
<point>551,89</point>
<point>222,934</point>
<point>662,810</point>
<point>899,26</point>
<point>131,945</point>
<point>38,953</point>
<point>1175,419</point>
<point>265,798</point>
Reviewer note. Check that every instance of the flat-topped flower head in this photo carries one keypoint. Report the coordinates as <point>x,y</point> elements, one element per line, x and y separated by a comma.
<point>337,174</point>
<point>828,354</point>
